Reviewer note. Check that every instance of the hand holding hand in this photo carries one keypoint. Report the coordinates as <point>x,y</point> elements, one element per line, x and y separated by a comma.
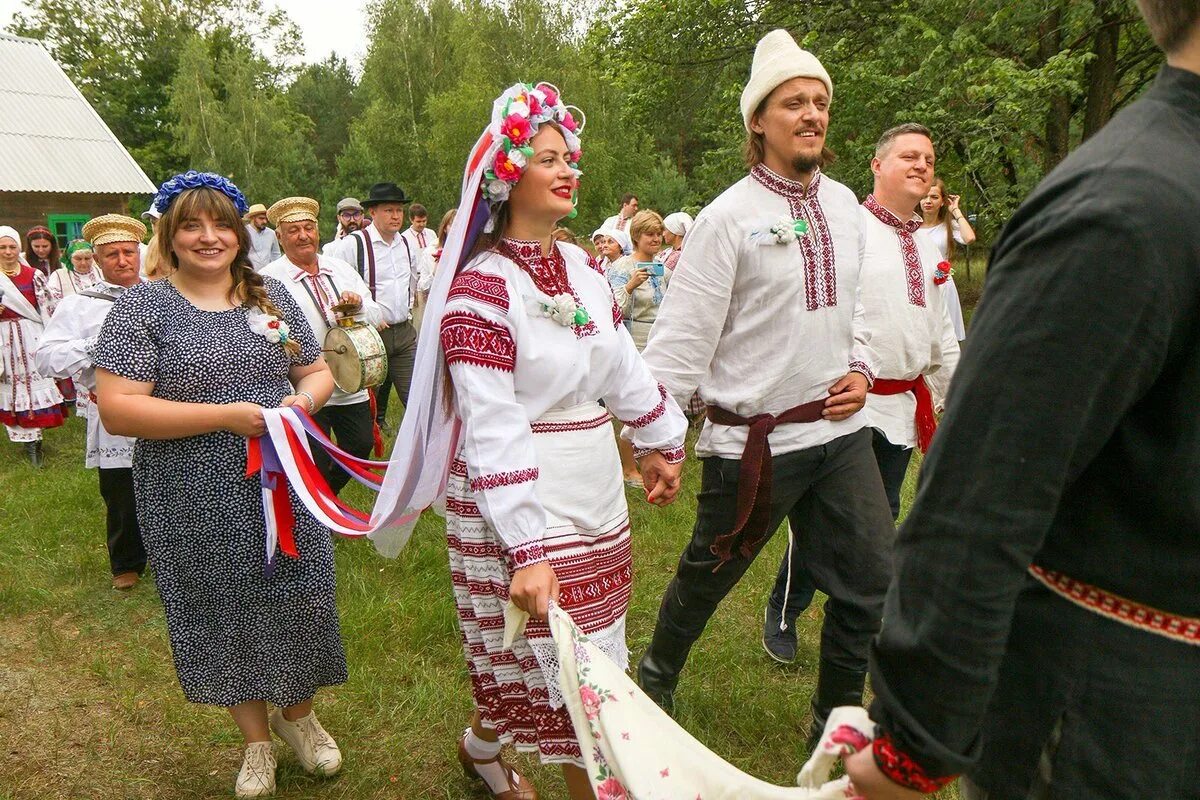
<point>847,397</point>
<point>660,477</point>
<point>533,588</point>
<point>245,419</point>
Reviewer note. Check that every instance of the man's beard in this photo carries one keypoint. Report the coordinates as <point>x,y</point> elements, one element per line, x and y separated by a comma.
<point>350,227</point>
<point>805,164</point>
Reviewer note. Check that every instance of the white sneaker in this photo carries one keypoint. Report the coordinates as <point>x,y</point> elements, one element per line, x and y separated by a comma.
<point>257,776</point>
<point>316,749</point>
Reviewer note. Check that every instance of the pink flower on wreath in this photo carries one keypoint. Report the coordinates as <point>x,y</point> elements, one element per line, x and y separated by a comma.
<point>591,701</point>
<point>569,122</point>
<point>505,169</point>
<point>574,156</point>
<point>549,93</point>
<point>535,106</point>
<point>516,128</point>
<point>610,789</point>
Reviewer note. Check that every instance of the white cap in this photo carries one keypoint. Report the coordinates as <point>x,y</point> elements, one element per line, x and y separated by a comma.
<point>778,59</point>
<point>151,213</point>
<point>678,223</point>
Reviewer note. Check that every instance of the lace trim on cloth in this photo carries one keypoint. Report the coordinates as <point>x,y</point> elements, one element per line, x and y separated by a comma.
<point>820,270</point>
<point>901,769</point>
<point>610,642</point>
<point>471,339</point>
<point>549,273</point>
<point>913,274</point>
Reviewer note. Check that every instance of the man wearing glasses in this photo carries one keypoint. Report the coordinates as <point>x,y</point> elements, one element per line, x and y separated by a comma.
<point>349,216</point>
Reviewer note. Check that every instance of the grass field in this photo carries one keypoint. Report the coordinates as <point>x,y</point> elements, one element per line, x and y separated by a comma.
<point>90,707</point>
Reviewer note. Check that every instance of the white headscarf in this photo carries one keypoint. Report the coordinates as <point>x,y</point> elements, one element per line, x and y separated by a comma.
<point>678,223</point>
<point>11,233</point>
<point>621,237</point>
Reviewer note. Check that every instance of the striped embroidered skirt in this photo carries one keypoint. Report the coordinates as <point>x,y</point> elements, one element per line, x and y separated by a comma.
<point>587,541</point>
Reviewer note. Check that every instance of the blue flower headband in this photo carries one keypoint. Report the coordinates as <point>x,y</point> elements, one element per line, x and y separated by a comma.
<point>194,180</point>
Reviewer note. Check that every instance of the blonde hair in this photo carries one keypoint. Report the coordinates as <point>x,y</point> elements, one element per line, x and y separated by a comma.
<point>248,287</point>
<point>644,222</point>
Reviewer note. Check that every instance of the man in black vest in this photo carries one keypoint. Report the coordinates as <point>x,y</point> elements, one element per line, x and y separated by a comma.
<point>1041,633</point>
<point>388,264</point>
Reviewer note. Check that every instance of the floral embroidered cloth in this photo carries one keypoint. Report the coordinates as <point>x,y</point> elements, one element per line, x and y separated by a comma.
<point>633,750</point>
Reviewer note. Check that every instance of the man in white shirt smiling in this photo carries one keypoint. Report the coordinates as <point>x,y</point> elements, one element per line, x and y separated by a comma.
<point>318,282</point>
<point>389,265</point>
<point>766,320</point>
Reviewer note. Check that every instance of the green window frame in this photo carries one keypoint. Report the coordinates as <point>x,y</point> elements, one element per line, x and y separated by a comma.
<point>66,227</point>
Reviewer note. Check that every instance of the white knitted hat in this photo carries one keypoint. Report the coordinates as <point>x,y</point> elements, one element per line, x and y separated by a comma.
<point>778,59</point>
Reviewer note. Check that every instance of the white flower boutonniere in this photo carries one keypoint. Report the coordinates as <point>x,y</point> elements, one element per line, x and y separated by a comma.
<point>783,231</point>
<point>561,308</point>
<point>268,326</point>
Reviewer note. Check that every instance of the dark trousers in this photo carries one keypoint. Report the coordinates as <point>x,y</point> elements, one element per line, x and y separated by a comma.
<point>352,428</point>
<point>893,466</point>
<point>833,497</point>
<point>125,551</point>
<point>400,344</point>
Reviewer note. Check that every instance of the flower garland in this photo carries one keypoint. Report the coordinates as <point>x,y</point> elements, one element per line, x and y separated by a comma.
<point>192,179</point>
<point>942,273</point>
<point>516,117</point>
<point>268,326</point>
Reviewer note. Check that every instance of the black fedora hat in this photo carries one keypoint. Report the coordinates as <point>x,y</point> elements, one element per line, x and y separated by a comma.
<point>384,193</point>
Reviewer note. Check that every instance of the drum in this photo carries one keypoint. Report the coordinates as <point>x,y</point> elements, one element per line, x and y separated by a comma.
<point>356,356</point>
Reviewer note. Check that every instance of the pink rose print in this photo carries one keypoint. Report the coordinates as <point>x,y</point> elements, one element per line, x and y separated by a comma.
<point>610,789</point>
<point>591,701</point>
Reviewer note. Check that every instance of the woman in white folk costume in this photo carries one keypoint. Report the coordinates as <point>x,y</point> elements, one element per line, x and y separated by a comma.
<point>65,352</point>
<point>187,364</point>
<point>944,225</point>
<point>77,274</point>
<point>29,401</point>
<point>675,228</point>
<point>536,511</point>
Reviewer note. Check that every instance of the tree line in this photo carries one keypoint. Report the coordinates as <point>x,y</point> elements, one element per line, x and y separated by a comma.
<point>1009,87</point>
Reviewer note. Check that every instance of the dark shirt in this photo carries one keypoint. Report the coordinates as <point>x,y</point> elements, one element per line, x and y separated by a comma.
<point>1071,437</point>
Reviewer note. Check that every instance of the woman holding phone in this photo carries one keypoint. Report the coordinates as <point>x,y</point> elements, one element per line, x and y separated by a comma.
<point>638,281</point>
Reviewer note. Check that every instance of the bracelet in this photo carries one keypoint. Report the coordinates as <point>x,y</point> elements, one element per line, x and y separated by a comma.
<point>312,402</point>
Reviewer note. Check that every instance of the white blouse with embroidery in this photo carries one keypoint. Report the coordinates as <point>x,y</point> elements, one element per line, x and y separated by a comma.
<point>910,325</point>
<point>511,363</point>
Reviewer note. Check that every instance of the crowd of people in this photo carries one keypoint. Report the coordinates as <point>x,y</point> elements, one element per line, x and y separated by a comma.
<point>1038,601</point>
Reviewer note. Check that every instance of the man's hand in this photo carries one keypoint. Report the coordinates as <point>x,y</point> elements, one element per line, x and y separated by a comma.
<point>660,477</point>
<point>847,397</point>
<point>533,588</point>
<point>350,299</point>
<point>870,783</point>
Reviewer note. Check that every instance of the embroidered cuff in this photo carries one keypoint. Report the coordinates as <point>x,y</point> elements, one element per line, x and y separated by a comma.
<point>652,414</point>
<point>525,554</point>
<point>673,455</point>
<point>862,367</point>
<point>901,769</point>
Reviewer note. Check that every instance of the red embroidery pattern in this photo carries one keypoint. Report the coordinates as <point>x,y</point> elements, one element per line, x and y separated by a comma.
<point>913,274</point>
<point>652,414</point>
<point>1115,607</point>
<point>549,274</point>
<point>562,427</point>
<point>618,317</point>
<point>820,271</point>
<point>901,769</point>
<point>482,287</point>
<point>673,455</point>
<point>498,479</point>
<point>525,554</point>
<point>471,339</point>
<point>861,366</point>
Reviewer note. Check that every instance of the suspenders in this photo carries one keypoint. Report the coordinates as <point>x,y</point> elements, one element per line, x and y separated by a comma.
<point>366,263</point>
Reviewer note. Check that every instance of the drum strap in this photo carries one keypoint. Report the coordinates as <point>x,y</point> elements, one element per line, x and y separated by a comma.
<point>317,301</point>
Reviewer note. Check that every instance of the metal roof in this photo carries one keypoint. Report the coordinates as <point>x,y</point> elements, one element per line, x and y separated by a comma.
<point>77,153</point>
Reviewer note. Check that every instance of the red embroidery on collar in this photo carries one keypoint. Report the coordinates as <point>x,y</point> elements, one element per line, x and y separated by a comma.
<point>549,273</point>
<point>913,274</point>
<point>820,269</point>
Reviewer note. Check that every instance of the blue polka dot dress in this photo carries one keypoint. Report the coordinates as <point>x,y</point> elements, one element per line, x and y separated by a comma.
<point>236,634</point>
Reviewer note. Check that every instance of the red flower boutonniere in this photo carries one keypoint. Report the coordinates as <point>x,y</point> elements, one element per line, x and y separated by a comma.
<point>942,273</point>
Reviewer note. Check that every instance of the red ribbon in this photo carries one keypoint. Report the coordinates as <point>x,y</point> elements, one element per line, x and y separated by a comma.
<point>924,417</point>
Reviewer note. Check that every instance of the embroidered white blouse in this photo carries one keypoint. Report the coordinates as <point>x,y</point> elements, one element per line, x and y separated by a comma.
<point>511,364</point>
<point>759,326</point>
<point>910,326</point>
<point>65,351</point>
<point>64,282</point>
<point>317,294</point>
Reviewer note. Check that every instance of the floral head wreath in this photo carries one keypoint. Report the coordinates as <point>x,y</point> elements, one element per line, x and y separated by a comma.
<point>517,115</point>
<point>194,180</point>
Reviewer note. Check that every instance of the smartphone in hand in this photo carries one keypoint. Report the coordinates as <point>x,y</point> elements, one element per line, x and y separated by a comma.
<point>654,268</point>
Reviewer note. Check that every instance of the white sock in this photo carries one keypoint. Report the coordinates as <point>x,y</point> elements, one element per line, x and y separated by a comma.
<point>481,750</point>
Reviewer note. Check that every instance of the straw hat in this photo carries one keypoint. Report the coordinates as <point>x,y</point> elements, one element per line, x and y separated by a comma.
<point>113,228</point>
<point>257,208</point>
<point>293,209</point>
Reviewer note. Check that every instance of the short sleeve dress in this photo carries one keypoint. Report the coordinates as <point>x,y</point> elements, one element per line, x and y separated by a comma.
<point>237,634</point>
